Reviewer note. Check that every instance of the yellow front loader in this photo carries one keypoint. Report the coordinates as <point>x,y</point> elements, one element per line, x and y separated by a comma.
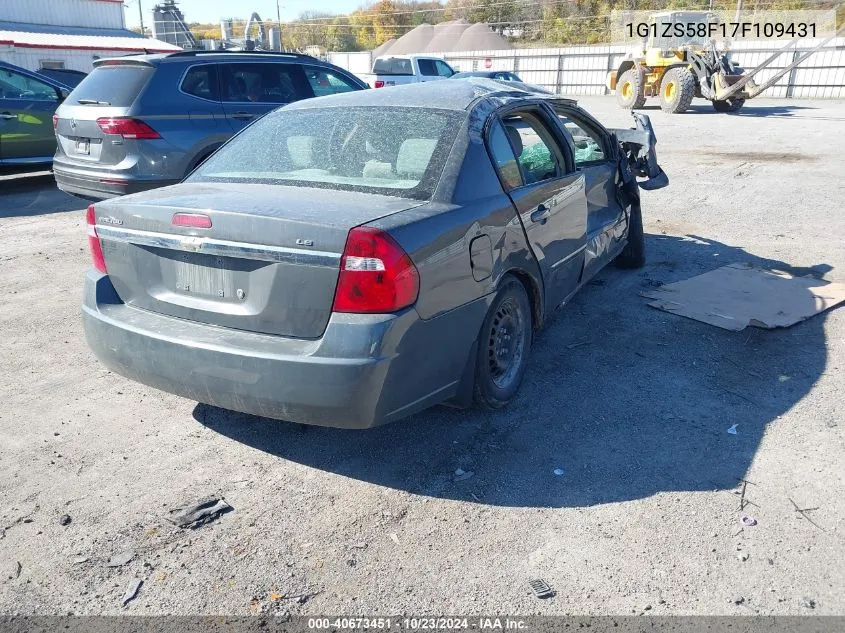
<point>675,69</point>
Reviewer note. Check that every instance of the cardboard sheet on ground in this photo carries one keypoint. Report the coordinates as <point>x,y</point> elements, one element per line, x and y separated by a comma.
<point>738,295</point>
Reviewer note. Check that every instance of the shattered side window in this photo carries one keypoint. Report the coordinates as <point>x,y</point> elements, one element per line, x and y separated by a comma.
<point>588,145</point>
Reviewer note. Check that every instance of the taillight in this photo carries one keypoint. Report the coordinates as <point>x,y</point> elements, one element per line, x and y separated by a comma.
<point>94,241</point>
<point>378,84</point>
<point>376,275</point>
<point>127,128</point>
<point>55,121</point>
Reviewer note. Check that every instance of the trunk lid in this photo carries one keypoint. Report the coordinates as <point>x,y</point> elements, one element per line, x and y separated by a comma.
<point>269,262</point>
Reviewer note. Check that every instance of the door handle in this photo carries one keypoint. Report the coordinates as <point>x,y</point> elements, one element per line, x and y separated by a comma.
<point>540,214</point>
<point>242,115</point>
<point>6,116</point>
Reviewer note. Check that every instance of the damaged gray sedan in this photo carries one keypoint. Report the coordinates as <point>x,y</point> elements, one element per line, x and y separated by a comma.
<point>350,260</point>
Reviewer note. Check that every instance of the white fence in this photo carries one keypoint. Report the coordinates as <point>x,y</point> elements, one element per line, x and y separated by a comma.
<point>581,70</point>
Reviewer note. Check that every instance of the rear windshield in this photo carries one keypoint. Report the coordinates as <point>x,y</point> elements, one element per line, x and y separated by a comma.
<point>393,66</point>
<point>116,85</point>
<point>393,151</point>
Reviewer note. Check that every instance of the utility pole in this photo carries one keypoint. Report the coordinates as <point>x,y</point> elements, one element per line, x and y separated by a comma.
<point>738,11</point>
<point>141,17</point>
<point>279,18</point>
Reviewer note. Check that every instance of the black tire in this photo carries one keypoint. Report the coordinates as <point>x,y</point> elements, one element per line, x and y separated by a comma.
<point>503,346</point>
<point>728,105</point>
<point>677,88</point>
<point>630,89</point>
<point>633,255</point>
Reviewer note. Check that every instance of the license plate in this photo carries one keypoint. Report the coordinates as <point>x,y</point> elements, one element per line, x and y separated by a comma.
<point>83,146</point>
<point>203,275</point>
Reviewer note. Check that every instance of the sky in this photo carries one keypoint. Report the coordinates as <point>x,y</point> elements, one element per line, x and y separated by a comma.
<point>212,10</point>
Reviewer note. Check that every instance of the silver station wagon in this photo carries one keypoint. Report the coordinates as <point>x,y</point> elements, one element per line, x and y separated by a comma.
<point>352,259</point>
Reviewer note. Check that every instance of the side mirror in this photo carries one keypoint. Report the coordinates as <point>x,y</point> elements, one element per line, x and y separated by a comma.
<point>63,94</point>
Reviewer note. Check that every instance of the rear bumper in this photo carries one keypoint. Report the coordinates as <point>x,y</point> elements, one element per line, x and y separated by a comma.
<point>99,186</point>
<point>364,371</point>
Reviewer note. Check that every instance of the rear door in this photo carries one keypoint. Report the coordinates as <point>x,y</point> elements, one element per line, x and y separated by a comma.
<point>325,81</point>
<point>427,69</point>
<point>26,118</point>
<point>536,167</point>
<point>606,219</point>
<point>250,90</point>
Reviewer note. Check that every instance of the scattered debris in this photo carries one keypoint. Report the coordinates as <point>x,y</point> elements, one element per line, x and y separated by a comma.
<point>558,472</point>
<point>17,570</point>
<point>541,588</point>
<point>784,378</point>
<point>738,599</point>
<point>732,430</point>
<point>394,538</point>
<point>119,560</point>
<point>65,519</point>
<point>80,559</point>
<point>463,475</point>
<point>361,545</point>
<point>131,591</point>
<point>742,556</point>
<point>27,518</point>
<point>737,295</point>
<point>803,512</point>
<point>808,603</point>
<point>200,513</point>
<point>749,521</point>
<point>578,344</point>
<point>303,597</point>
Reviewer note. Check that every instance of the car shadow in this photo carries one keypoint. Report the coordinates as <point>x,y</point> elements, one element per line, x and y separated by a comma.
<point>749,110</point>
<point>624,400</point>
<point>33,193</point>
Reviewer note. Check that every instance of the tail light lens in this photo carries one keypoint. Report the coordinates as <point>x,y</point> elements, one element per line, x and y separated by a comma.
<point>376,275</point>
<point>94,241</point>
<point>378,84</point>
<point>127,128</point>
<point>55,121</point>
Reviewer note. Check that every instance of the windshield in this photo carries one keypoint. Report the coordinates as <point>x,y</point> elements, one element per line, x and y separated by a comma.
<point>394,151</point>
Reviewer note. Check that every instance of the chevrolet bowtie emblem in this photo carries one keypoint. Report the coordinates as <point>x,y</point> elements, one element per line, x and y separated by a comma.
<point>192,244</point>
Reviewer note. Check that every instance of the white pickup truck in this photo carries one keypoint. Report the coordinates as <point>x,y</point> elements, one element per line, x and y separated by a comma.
<point>395,70</point>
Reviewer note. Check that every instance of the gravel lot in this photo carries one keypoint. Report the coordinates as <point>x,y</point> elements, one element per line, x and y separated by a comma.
<point>633,404</point>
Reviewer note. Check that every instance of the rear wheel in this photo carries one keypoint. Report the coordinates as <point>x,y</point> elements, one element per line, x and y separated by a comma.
<point>633,255</point>
<point>630,89</point>
<point>677,90</point>
<point>728,105</point>
<point>503,346</point>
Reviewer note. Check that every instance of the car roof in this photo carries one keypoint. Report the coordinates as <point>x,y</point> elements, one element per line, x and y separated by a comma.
<point>480,73</point>
<point>44,78</point>
<point>459,94</point>
<point>190,56</point>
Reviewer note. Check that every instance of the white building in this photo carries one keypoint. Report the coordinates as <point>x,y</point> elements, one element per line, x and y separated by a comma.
<point>69,34</point>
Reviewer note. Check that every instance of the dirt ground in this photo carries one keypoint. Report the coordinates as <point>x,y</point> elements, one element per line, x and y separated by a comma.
<point>631,403</point>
